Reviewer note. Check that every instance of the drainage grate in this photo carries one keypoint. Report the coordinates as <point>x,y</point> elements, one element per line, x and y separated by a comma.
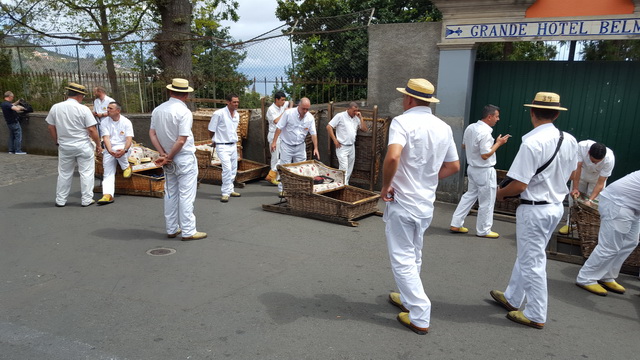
<point>161,251</point>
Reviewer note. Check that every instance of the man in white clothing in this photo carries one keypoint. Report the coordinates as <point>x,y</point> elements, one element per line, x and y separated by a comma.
<point>223,128</point>
<point>101,102</point>
<point>543,189</point>
<point>481,158</point>
<point>274,113</point>
<point>171,135</point>
<point>72,127</point>
<point>117,136</point>
<point>294,125</point>
<point>619,208</point>
<point>421,151</point>
<point>595,165</point>
<point>346,125</point>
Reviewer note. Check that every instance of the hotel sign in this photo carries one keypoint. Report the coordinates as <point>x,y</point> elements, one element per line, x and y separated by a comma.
<point>577,28</point>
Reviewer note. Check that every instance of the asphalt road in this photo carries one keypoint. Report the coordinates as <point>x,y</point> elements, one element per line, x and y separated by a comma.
<point>77,283</point>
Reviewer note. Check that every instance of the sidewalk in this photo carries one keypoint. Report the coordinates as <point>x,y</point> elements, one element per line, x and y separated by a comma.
<point>77,283</point>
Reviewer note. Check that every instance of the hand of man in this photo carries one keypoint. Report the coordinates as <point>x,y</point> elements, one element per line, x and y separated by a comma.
<point>272,147</point>
<point>499,196</point>
<point>119,153</point>
<point>575,193</point>
<point>98,148</point>
<point>502,139</point>
<point>317,154</point>
<point>387,193</point>
<point>337,144</point>
<point>162,161</point>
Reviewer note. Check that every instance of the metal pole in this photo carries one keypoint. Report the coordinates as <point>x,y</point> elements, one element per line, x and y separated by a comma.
<point>572,50</point>
<point>24,86</point>
<point>143,79</point>
<point>78,62</point>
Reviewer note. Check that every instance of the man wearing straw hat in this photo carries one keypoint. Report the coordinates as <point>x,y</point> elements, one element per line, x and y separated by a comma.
<point>619,208</point>
<point>421,151</point>
<point>72,127</point>
<point>223,129</point>
<point>346,124</point>
<point>539,174</point>
<point>481,150</point>
<point>294,125</point>
<point>171,135</point>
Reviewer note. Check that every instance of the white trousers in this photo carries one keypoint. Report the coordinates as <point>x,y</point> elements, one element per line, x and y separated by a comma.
<point>482,187</point>
<point>291,154</point>
<point>109,165</point>
<point>181,183</point>
<point>67,159</point>
<point>534,226</point>
<point>618,237</point>
<point>405,237</point>
<point>276,154</point>
<point>228,155</point>
<point>346,158</point>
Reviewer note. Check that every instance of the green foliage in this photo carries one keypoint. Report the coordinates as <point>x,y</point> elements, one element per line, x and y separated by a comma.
<point>332,57</point>
<point>611,50</point>
<point>518,51</point>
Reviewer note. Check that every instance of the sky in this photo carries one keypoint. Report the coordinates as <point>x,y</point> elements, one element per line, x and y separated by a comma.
<point>256,17</point>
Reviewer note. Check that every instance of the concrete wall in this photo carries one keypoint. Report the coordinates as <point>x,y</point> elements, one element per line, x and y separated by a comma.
<point>398,52</point>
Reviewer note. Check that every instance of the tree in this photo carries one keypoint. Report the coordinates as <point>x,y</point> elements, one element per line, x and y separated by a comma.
<point>340,54</point>
<point>532,51</point>
<point>611,50</point>
<point>105,21</point>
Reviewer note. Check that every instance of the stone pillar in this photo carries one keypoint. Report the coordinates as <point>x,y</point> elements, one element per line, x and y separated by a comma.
<point>455,81</point>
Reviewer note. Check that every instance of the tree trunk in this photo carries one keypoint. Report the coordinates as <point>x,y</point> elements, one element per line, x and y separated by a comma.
<point>108,53</point>
<point>173,48</point>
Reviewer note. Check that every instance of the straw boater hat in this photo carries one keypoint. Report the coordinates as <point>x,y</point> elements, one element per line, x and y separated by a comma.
<point>546,100</point>
<point>80,89</point>
<point>420,89</point>
<point>180,85</point>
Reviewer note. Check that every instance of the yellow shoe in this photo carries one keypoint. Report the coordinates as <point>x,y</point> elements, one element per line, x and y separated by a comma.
<point>271,176</point>
<point>594,288</point>
<point>403,318</point>
<point>394,299</point>
<point>518,316</point>
<point>174,235</point>
<point>566,229</point>
<point>461,229</point>
<point>275,182</point>
<point>197,236</point>
<point>613,286</point>
<point>224,198</point>
<point>281,194</point>
<point>106,199</point>
<point>490,235</point>
<point>499,297</point>
<point>235,194</point>
<point>127,173</point>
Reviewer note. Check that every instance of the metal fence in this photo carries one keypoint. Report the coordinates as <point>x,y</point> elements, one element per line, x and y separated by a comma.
<point>39,71</point>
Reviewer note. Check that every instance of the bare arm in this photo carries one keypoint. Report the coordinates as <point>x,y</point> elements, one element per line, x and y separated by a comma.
<point>501,140</point>
<point>54,133</point>
<point>448,169</point>
<point>275,140</point>
<point>389,169</point>
<point>599,186</point>
<point>363,125</point>
<point>156,143</point>
<point>332,135</point>
<point>575,177</point>
<point>314,140</point>
<point>514,188</point>
<point>93,133</point>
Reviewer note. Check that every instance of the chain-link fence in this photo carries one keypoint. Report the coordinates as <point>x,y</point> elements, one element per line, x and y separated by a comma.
<point>275,60</point>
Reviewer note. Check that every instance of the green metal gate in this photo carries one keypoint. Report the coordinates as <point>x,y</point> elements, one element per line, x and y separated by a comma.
<point>603,99</point>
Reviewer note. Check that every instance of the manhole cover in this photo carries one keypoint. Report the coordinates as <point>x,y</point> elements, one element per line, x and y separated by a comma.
<point>161,251</point>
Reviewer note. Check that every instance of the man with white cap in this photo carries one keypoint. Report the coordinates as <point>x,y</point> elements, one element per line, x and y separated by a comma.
<point>171,135</point>
<point>223,128</point>
<point>595,165</point>
<point>480,149</point>
<point>72,127</point>
<point>619,208</point>
<point>421,151</point>
<point>346,124</point>
<point>117,136</point>
<point>294,125</point>
<point>274,113</point>
<point>539,173</point>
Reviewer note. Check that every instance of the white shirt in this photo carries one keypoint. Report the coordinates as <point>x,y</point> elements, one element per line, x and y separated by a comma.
<point>427,142</point>
<point>71,120</point>
<point>171,119</point>
<point>224,126</point>
<point>346,127</point>
<point>537,147</point>
<point>293,128</point>
<point>272,113</point>
<point>590,171</point>
<point>100,106</point>
<point>477,140</point>
<point>118,131</point>
<point>624,191</point>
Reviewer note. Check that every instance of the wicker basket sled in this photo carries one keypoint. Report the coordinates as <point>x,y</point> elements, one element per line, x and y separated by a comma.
<point>146,180</point>
<point>588,220</point>
<point>332,201</point>
<point>210,170</point>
